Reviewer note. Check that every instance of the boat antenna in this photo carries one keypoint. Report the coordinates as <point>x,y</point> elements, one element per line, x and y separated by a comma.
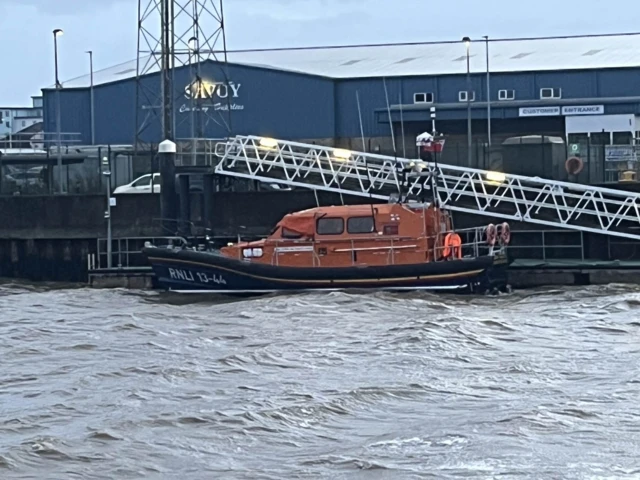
<point>393,139</point>
<point>366,162</point>
<point>434,177</point>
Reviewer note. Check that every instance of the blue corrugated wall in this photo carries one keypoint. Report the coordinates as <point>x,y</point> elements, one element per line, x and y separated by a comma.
<point>268,102</point>
<point>289,105</point>
<point>75,115</point>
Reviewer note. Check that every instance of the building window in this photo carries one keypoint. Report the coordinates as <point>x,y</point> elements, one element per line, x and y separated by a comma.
<point>360,225</point>
<point>330,226</point>
<point>550,93</point>
<point>423,97</point>
<point>462,96</point>
<point>506,94</point>
<point>24,123</point>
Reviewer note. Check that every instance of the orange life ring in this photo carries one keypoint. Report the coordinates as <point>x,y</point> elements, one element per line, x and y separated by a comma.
<point>505,234</point>
<point>452,246</point>
<point>491,233</point>
<point>573,165</point>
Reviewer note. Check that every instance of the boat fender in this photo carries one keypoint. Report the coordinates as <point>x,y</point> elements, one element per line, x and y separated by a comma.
<point>505,234</point>
<point>446,249</point>
<point>491,233</point>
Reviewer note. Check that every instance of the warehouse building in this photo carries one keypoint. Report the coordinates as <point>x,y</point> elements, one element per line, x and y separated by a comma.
<point>579,89</point>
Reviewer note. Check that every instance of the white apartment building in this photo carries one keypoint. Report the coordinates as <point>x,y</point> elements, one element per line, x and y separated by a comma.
<point>15,119</point>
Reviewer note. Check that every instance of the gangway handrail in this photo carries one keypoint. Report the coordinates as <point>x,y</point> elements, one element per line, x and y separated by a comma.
<point>515,197</point>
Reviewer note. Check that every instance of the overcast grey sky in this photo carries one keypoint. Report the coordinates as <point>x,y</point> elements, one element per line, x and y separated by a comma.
<point>108,27</point>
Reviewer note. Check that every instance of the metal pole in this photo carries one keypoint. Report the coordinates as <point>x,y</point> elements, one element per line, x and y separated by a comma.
<point>107,173</point>
<point>404,153</point>
<point>468,105</point>
<point>58,115</point>
<point>166,63</point>
<point>93,120</point>
<point>434,177</point>
<point>109,239</point>
<point>195,80</point>
<point>488,95</point>
<point>364,147</point>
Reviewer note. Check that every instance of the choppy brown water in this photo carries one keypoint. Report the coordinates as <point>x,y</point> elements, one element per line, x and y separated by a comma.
<point>117,384</point>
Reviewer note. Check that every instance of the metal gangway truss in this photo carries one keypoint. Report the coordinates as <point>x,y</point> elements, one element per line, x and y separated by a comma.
<point>511,197</point>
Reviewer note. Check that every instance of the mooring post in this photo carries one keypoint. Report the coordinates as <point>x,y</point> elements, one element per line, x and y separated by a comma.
<point>207,191</point>
<point>168,197</point>
<point>185,206</point>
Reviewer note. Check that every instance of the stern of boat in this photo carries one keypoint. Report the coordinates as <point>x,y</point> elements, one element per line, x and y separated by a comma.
<point>489,242</point>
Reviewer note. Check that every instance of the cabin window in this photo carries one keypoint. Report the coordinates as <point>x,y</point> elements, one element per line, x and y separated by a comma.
<point>286,233</point>
<point>360,225</point>
<point>330,226</point>
<point>390,230</point>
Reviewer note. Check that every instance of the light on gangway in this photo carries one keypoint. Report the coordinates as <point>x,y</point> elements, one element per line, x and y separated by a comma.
<point>496,177</point>
<point>268,142</point>
<point>341,154</point>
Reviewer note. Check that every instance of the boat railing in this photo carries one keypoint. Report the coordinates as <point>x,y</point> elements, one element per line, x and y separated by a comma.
<point>474,243</point>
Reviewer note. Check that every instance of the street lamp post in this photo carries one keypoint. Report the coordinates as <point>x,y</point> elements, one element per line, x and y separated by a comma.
<point>93,120</point>
<point>56,33</point>
<point>467,43</point>
<point>486,38</point>
<point>193,46</point>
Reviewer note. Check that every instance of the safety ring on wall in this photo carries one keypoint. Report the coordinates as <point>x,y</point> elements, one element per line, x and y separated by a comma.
<point>573,165</point>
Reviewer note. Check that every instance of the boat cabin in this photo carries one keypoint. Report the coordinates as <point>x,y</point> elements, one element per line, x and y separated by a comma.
<point>365,235</point>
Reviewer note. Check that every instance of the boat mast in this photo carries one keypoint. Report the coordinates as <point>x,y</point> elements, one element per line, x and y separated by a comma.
<point>393,139</point>
<point>434,176</point>
<point>366,162</point>
<point>404,151</point>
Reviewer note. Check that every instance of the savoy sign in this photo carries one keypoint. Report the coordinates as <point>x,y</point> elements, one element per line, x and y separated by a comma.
<point>205,95</point>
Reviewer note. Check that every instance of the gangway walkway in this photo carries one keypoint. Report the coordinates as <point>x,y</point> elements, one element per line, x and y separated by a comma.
<point>512,197</point>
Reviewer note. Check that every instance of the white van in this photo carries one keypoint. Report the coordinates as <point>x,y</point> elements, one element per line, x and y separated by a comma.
<point>141,185</point>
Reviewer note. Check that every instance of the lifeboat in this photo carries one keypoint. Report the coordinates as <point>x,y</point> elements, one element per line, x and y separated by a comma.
<point>391,246</point>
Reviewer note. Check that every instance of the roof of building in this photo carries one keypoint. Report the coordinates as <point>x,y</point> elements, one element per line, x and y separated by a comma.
<point>441,58</point>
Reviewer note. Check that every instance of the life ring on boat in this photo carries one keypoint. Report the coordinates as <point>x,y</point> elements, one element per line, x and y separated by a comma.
<point>491,233</point>
<point>505,234</point>
<point>452,246</point>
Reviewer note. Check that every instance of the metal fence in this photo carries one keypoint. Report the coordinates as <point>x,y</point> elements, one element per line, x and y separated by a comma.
<point>33,167</point>
<point>32,164</point>
<point>126,252</point>
<point>581,160</point>
<point>547,245</point>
